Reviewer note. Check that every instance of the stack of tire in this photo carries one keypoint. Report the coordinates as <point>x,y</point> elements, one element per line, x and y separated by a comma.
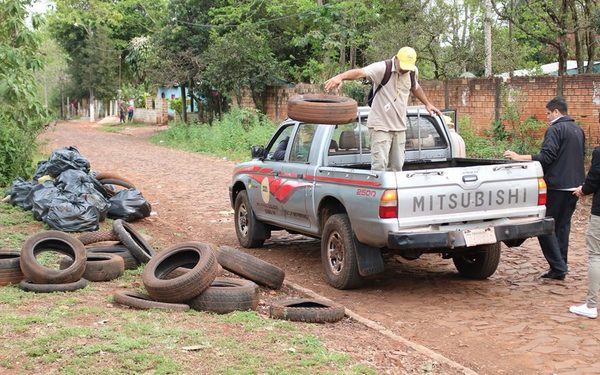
<point>123,240</point>
<point>187,276</point>
<point>41,279</point>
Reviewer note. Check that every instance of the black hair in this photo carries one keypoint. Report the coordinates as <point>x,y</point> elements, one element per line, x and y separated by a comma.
<point>558,102</point>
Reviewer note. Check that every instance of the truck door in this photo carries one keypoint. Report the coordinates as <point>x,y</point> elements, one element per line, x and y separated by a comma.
<point>295,192</point>
<point>266,178</point>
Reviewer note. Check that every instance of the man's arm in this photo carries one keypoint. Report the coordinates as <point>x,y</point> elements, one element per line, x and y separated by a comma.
<point>514,156</point>
<point>349,75</point>
<point>420,94</point>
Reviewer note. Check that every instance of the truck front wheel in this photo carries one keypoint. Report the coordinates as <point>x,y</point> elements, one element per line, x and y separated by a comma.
<point>478,262</point>
<point>338,253</point>
<point>250,232</point>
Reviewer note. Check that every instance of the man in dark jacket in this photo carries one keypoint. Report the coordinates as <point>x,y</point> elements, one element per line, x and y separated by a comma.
<point>592,239</point>
<point>561,156</point>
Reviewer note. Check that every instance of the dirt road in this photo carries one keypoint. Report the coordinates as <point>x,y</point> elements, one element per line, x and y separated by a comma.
<point>513,323</point>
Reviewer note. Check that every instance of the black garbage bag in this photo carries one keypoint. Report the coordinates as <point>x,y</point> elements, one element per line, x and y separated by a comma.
<point>102,204</point>
<point>72,216</point>
<point>78,182</point>
<point>63,159</point>
<point>129,205</point>
<point>40,170</point>
<point>42,197</point>
<point>18,193</point>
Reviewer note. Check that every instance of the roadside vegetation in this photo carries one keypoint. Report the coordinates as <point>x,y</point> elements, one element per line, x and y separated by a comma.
<point>232,136</point>
<point>83,332</point>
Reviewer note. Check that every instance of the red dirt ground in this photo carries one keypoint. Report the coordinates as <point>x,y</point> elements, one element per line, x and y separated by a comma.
<point>513,323</point>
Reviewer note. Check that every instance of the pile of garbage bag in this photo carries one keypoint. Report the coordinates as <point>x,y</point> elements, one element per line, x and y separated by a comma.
<point>65,194</point>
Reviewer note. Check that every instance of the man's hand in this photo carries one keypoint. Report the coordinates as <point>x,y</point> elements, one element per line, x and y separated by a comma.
<point>333,83</point>
<point>578,192</point>
<point>511,155</point>
<point>433,109</point>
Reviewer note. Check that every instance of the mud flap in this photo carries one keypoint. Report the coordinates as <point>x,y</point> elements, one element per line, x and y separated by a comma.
<point>370,261</point>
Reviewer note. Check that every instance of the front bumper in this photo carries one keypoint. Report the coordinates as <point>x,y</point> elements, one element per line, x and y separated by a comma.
<point>453,239</point>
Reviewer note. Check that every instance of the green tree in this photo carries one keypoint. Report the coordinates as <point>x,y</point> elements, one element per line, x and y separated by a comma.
<point>22,115</point>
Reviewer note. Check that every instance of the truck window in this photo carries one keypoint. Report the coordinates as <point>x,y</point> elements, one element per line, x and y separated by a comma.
<point>302,143</point>
<point>278,147</point>
<point>422,131</point>
<point>348,137</point>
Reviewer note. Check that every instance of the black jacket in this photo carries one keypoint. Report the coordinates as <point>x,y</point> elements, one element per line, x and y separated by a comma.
<point>592,182</point>
<point>562,154</point>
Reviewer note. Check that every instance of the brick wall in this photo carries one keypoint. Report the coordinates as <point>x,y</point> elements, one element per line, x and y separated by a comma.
<point>480,99</point>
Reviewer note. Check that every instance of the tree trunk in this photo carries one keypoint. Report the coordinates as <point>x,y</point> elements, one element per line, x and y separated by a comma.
<point>590,37</point>
<point>578,42</point>
<point>183,103</point>
<point>487,30</point>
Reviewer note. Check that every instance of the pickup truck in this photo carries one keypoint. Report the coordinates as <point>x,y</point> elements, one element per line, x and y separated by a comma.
<point>322,186</point>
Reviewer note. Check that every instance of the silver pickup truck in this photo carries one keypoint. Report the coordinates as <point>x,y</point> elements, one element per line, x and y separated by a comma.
<point>316,179</point>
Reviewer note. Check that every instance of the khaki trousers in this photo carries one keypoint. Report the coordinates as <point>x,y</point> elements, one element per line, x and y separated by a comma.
<point>387,150</point>
<point>592,240</point>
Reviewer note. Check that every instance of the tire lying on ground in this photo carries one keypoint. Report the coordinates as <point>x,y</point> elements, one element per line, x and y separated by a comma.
<point>130,262</point>
<point>10,270</point>
<point>197,256</point>
<point>250,267</point>
<point>227,294</point>
<point>98,236</point>
<point>60,242</point>
<point>322,109</point>
<point>306,310</point>
<point>143,301</point>
<point>99,266</point>
<point>134,241</point>
<point>108,178</point>
<point>51,288</point>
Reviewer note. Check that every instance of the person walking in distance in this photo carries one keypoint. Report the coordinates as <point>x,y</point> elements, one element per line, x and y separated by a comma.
<point>562,157</point>
<point>592,239</point>
<point>387,120</point>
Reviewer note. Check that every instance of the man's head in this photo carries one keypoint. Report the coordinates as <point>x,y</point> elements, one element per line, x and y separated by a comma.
<point>556,108</point>
<point>407,58</point>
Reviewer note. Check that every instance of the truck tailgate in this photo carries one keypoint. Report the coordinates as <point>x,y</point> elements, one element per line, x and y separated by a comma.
<point>453,195</point>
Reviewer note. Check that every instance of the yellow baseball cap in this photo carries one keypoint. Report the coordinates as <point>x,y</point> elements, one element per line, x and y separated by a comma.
<point>407,57</point>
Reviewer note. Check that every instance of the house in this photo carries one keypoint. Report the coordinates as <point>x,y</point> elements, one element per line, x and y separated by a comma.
<point>549,69</point>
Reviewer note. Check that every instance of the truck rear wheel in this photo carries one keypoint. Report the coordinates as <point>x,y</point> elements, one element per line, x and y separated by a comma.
<point>250,232</point>
<point>338,253</point>
<point>478,262</point>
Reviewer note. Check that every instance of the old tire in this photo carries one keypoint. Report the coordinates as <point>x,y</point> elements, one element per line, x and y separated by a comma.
<point>60,242</point>
<point>129,260</point>
<point>134,241</point>
<point>98,236</point>
<point>107,179</point>
<point>250,267</point>
<point>197,256</point>
<point>10,269</point>
<point>478,262</point>
<point>338,253</point>
<point>99,266</point>
<point>143,301</point>
<point>322,109</point>
<point>250,232</point>
<point>51,288</point>
<point>306,310</point>
<point>227,294</point>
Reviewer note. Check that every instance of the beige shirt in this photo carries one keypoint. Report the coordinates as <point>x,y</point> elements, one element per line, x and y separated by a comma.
<point>388,112</point>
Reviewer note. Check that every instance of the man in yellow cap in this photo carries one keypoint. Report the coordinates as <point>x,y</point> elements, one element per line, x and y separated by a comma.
<point>387,120</point>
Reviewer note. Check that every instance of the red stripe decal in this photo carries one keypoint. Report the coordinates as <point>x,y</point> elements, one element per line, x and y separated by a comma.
<point>344,181</point>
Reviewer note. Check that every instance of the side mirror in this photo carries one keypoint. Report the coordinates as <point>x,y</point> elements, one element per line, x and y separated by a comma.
<point>258,152</point>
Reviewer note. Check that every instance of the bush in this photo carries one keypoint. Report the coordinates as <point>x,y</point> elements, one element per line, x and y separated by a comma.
<point>230,137</point>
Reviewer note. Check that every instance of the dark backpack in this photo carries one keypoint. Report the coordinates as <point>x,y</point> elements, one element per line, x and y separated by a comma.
<point>384,81</point>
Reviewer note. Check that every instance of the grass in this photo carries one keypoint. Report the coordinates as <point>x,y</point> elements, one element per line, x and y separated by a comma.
<point>83,332</point>
<point>117,128</point>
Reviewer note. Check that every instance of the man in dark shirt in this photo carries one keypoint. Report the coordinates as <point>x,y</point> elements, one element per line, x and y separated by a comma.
<point>279,153</point>
<point>562,157</point>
